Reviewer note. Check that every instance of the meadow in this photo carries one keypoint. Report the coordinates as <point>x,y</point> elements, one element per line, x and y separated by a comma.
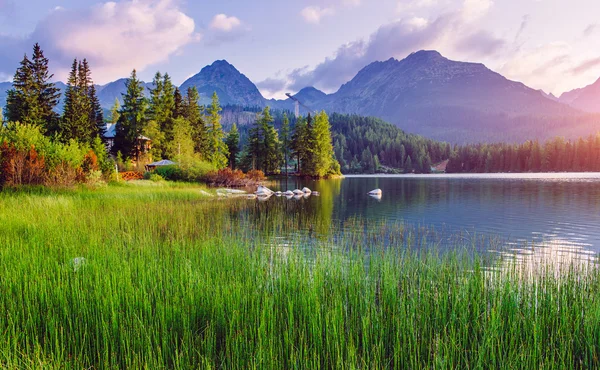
<point>162,276</point>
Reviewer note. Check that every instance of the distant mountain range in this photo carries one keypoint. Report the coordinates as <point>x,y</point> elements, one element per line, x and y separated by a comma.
<point>424,93</point>
<point>586,99</point>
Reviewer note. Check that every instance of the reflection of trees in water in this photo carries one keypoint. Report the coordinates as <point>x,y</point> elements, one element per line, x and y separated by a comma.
<point>282,216</point>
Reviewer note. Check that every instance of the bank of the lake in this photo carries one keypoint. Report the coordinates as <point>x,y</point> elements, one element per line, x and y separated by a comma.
<point>163,276</point>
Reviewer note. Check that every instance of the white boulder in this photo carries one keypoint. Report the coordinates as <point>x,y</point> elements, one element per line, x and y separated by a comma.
<point>264,190</point>
<point>289,193</point>
<point>376,192</point>
<point>298,192</point>
<point>306,190</point>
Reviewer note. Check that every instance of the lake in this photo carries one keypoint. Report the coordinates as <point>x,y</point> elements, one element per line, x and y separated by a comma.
<point>534,215</point>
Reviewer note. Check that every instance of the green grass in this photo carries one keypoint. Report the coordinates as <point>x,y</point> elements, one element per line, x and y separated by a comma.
<point>173,279</point>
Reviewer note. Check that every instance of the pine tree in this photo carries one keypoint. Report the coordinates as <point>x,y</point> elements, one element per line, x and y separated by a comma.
<point>48,95</point>
<point>114,112</point>
<point>132,119</point>
<point>217,150</point>
<point>178,103</point>
<point>323,156</point>
<point>155,127</point>
<point>83,118</point>
<point>181,145</point>
<point>301,144</point>
<point>285,141</point>
<point>254,152</point>
<point>33,98</point>
<point>233,145</point>
<point>270,146</point>
<point>192,111</point>
<point>97,113</point>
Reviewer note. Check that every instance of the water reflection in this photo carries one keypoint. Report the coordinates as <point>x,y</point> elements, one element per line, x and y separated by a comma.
<point>533,217</point>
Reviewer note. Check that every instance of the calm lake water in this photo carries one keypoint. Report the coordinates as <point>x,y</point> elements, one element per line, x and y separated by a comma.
<point>531,214</point>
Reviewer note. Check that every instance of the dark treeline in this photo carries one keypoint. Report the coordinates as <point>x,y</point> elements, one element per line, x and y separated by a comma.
<point>557,155</point>
<point>369,145</point>
<point>366,144</point>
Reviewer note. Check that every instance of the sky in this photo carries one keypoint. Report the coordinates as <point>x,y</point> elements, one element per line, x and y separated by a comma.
<point>283,46</point>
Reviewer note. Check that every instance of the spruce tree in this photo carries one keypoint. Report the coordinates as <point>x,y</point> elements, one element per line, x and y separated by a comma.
<point>178,103</point>
<point>323,156</point>
<point>48,95</point>
<point>132,119</point>
<point>33,98</point>
<point>233,145</point>
<point>97,113</point>
<point>83,118</point>
<point>114,112</point>
<point>217,150</point>
<point>285,141</point>
<point>270,145</point>
<point>192,111</point>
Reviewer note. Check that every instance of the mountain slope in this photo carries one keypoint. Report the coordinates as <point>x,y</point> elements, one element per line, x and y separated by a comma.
<point>232,87</point>
<point>115,90</point>
<point>586,99</point>
<point>4,87</point>
<point>433,96</point>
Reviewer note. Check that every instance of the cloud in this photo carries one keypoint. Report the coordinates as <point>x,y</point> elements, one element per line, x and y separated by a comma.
<point>480,44</point>
<point>523,27</point>
<point>589,30</point>
<point>404,6</point>
<point>475,9</point>
<point>454,33</point>
<point>351,2</point>
<point>272,87</point>
<point>313,14</point>
<point>222,22</point>
<point>114,37</point>
<point>586,66</point>
<point>7,8</point>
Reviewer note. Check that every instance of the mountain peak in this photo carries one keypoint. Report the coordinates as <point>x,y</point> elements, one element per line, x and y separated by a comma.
<point>231,86</point>
<point>426,55</point>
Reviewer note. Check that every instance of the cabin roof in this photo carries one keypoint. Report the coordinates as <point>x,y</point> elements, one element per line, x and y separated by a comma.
<point>111,132</point>
<point>164,162</point>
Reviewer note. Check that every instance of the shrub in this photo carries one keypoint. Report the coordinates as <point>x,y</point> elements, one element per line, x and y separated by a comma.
<point>172,172</point>
<point>27,157</point>
<point>256,175</point>
<point>230,178</point>
<point>152,176</point>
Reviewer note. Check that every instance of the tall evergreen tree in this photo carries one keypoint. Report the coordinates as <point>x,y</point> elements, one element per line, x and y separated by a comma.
<point>217,150</point>
<point>97,113</point>
<point>132,119</point>
<point>178,103</point>
<point>233,145</point>
<point>271,146</point>
<point>192,111</point>
<point>33,97</point>
<point>323,157</point>
<point>114,112</point>
<point>285,141</point>
<point>83,118</point>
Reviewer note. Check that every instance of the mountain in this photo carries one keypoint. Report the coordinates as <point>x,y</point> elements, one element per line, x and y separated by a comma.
<point>431,95</point>
<point>4,87</point>
<point>114,90</point>
<point>425,94</point>
<point>550,96</point>
<point>232,87</point>
<point>586,99</point>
